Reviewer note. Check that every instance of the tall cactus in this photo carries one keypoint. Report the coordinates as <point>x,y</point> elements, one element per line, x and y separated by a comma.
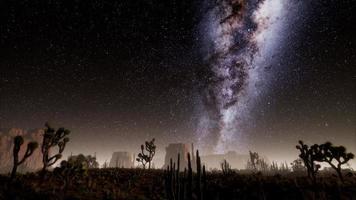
<point>52,138</point>
<point>190,180</point>
<point>226,168</point>
<point>31,147</point>
<point>198,188</point>
<point>183,185</point>
<point>174,182</point>
<point>177,178</point>
<point>193,159</point>
<point>179,186</point>
<point>204,183</point>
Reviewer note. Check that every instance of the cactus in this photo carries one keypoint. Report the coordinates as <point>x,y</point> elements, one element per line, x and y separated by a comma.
<point>190,179</point>
<point>204,183</point>
<point>173,181</point>
<point>31,147</point>
<point>198,185</point>
<point>193,158</point>
<point>177,179</point>
<point>225,167</point>
<point>52,138</point>
<point>179,186</point>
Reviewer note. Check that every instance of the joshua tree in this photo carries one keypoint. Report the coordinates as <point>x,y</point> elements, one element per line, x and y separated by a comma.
<point>52,138</point>
<point>335,154</point>
<point>310,155</point>
<point>144,158</point>
<point>18,141</point>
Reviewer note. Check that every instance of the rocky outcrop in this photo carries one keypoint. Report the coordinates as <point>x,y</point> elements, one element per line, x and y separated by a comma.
<point>122,160</point>
<point>33,163</point>
<point>182,149</point>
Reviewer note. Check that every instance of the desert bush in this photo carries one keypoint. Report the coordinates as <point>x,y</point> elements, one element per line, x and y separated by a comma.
<point>88,161</point>
<point>68,172</point>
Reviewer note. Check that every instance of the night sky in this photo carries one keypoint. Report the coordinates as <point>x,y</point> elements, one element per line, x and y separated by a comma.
<point>117,73</point>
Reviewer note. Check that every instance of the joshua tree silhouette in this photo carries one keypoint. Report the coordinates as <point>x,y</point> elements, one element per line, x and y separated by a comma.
<point>144,158</point>
<point>18,141</point>
<point>52,138</point>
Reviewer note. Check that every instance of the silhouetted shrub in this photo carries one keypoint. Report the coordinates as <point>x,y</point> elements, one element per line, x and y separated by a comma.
<point>69,171</point>
<point>88,161</point>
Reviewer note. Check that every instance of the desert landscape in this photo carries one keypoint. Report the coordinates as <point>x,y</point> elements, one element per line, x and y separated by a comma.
<point>184,176</point>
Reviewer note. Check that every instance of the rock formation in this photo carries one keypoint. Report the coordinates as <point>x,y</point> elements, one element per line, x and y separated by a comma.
<point>122,159</point>
<point>172,152</point>
<point>33,163</point>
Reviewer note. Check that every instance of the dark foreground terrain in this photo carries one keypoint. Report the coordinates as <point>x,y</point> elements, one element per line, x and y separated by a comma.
<point>152,184</point>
